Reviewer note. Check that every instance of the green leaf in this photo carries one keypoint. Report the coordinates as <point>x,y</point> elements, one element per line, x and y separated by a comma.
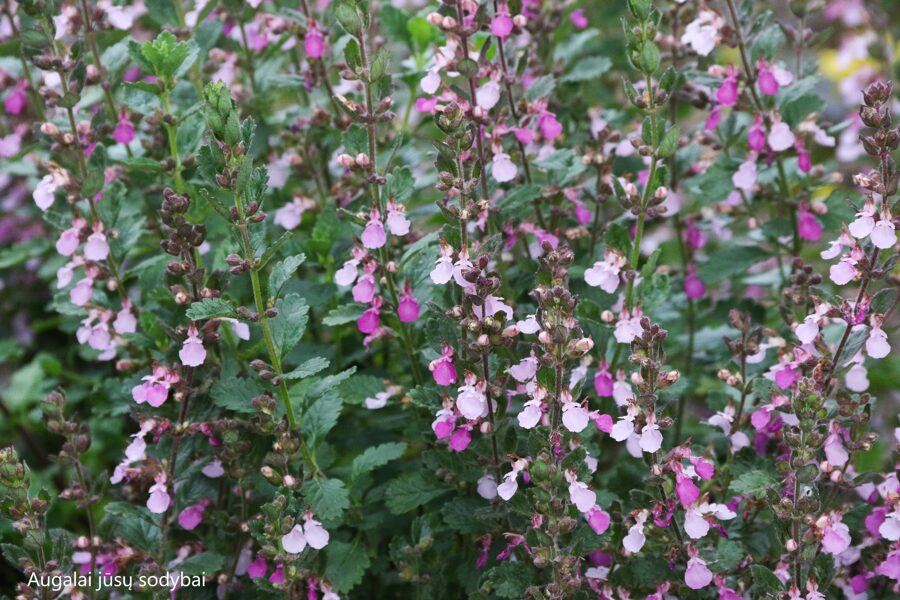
<point>669,143</point>
<point>20,253</point>
<point>347,15</point>
<point>413,490</point>
<point>467,68</point>
<point>308,368</point>
<point>204,563</point>
<point>235,393</point>
<point>729,261</point>
<point>753,483</point>
<point>346,565</point>
<point>540,88</point>
<point>640,9</point>
<point>346,313</point>
<point>328,498</point>
<point>282,272</point>
<point>209,308</point>
<point>380,64</point>
<point>322,416</point>
<point>511,579</point>
<point>376,456</point>
<point>290,324</point>
<point>588,69</point>
<point>765,579</point>
<point>648,60</point>
<point>134,524</point>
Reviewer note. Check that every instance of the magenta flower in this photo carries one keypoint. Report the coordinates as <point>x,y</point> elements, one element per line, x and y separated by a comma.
<point>371,318</point>
<point>502,23</point>
<point>460,439</point>
<point>693,286</point>
<point>17,100</point>
<point>727,94</point>
<point>444,424</point>
<point>314,42</point>
<point>257,568</point>
<point>549,126</point>
<point>687,490</point>
<point>192,516</point>
<point>578,19</point>
<point>277,575</point>
<point>756,135</point>
<point>598,519</point>
<point>124,131</point>
<point>408,307</point>
<point>603,381</point>
<point>808,227</point>
<point>442,369</point>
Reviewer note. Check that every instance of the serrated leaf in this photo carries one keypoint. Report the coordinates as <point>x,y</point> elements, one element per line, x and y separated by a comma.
<point>765,579</point>
<point>540,88</point>
<point>346,565</point>
<point>328,498</point>
<point>290,323</point>
<point>235,393</point>
<point>346,313</point>
<point>282,272</point>
<point>753,483</point>
<point>413,490</point>
<point>376,456</point>
<point>308,368</point>
<point>204,563</point>
<point>209,308</point>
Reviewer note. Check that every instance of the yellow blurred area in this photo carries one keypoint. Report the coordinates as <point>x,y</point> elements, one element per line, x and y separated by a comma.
<point>832,67</point>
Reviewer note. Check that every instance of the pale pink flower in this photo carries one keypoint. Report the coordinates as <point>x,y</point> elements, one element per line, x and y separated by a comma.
<point>697,576</point>
<point>471,401</point>
<point>96,248</point>
<point>374,236</point>
<point>605,274</point>
<point>192,353</point>
<point>702,33</point>
<point>488,95</point>
<point>780,136</point>
<point>44,193</point>
<point>316,535</point>
<point>530,415</point>
<point>159,499</point>
<point>745,177</point>
<point>877,345</point>
<point>397,222</point>
<point>503,169</point>
<point>574,417</point>
<point>294,542</point>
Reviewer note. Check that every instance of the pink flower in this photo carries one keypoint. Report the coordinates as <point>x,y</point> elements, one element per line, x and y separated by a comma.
<point>192,353</point>
<point>549,126</point>
<point>693,286</point>
<point>444,424</point>
<point>804,161</point>
<point>159,499</point>
<point>727,93</point>
<point>686,489</point>
<point>443,268</point>
<point>603,382</point>
<point>124,131</point>
<point>768,85</point>
<point>314,42</point>
<point>745,177</point>
<point>530,415</point>
<point>431,82</point>
<point>808,227</point>
<point>371,318</point>
<point>82,292</point>
<point>408,307</point>
<point>460,439</point>
<point>705,469</point>
<point>294,542</point>
<point>877,345</point>
<point>471,401</point>
<point>605,274</point>
<point>883,235</point>
<point>574,417</point>
<point>503,169</point>
<point>316,536</point>
<point>581,495</point>
<point>257,568</point>
<point>843,272</point>
<point>397,222</point>
<point>756,135</point>
<point>502,23</point>
<point>96,248</point>
<point>651,438</point>
<point>44,193</point>
<point>697,576</point>
<point>442,369</point>
<point>525,370</point>
<point>836,537</point>
<point>578,19</point>
<point>488,95</point>
<point>277,575</point>
<point>15,103</point>
<point>703,32</point>
<point>192,516</point>
<point>598,519</point>
<point>364,290</point>
<point>864,223</point>
<point>780,136</point>
<point>68,242</point>
<point>373,236</point>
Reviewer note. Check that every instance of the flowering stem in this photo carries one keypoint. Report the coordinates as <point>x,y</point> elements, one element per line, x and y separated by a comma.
<point>479,139</point>
<point>26,70</point>
<point>376,194</point>
<point>490,407</point>
<point>171,131</point>
<point>95,51</point>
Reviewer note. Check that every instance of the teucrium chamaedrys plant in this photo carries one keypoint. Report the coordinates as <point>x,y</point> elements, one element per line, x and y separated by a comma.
<point>468,298</point>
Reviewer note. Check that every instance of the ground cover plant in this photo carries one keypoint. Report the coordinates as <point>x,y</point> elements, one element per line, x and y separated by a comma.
<point>449,298</point>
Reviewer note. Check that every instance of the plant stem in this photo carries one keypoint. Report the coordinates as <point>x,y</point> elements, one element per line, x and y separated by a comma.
<point>479,138</point>
<point>490,405</point>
